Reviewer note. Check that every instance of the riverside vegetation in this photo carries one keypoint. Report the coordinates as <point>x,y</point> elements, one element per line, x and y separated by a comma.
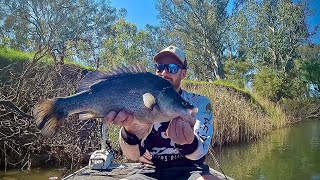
<point>239,116</point>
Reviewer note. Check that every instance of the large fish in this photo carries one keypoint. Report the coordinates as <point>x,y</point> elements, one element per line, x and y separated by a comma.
<point>148,97</point>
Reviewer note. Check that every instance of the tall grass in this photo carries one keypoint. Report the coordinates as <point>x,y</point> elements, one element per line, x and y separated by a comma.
<point>238,117</point>
<point>13,55</point>
<point>278,116</point>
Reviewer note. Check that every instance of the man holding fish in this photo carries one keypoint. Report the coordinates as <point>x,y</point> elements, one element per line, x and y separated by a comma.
<point>175,148</point>
<point>164,127</point>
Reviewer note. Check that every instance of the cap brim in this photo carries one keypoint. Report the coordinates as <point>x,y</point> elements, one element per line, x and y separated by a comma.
<point>163,53</point>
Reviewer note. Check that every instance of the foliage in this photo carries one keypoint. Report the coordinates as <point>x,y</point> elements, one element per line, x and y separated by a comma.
<point>20,138</point>
<point>269,83</point>
<point>275,84</point>
<point>312,75</point>
<point>12,58</point>
<point>278,116</point>
<point>270,32</point>
<point>310,68</point>
<point>55,28</point>
<point>159,38</point>
<point>8,56</point>
<point>235,117</point>
<point>126,46</point>
<point>238,71</point>
<point>201,27</point>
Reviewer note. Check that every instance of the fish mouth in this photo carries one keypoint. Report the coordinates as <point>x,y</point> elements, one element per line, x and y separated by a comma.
<point>193,112</point>
<point>190,115</point>
<point>190,112</point>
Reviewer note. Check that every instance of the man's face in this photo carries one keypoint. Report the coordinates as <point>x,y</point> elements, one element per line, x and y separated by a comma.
<point>176,78</point>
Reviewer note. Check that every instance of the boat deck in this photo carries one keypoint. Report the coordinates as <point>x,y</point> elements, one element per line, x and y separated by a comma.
<point>117,171</point>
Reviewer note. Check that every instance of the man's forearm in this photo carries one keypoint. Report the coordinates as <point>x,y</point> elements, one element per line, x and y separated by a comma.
<point>131,152</point>
<point>130,146</point>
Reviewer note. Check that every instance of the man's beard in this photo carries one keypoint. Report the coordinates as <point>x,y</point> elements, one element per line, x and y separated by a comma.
<point>169,79</point>
<point>176,85</point>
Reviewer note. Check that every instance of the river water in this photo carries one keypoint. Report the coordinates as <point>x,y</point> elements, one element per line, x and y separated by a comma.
<point>291,153</point>
<point>35,174</point>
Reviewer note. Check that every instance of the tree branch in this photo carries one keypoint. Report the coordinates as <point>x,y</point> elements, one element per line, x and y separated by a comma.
<point>14,107</point>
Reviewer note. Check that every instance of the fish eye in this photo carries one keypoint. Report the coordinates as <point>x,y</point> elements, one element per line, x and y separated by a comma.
<point>184,103</point>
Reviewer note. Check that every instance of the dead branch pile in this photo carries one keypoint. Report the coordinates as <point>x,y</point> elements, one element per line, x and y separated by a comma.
<point>21,145</point>
<point>301,109</point>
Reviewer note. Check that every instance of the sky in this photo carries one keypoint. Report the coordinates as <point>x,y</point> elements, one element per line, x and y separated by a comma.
<point>142,12</point>
<point>315,19</point>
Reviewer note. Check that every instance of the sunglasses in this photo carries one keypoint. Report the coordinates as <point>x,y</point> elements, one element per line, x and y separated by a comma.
<point>172,68</point>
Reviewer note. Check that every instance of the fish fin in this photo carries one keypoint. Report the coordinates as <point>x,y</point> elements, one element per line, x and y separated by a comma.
<point>87,116</point>
<point>51,127</point>
<point>127,69</point>
<point>96,76</point>
<point>149,100</point>
<point>47,118</point>
<point>91,78</point>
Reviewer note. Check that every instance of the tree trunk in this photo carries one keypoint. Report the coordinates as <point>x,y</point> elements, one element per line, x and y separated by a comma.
<point>218,68</point>
<point>98,62</point>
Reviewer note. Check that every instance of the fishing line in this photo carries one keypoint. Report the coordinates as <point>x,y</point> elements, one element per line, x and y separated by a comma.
<point>216,162</point>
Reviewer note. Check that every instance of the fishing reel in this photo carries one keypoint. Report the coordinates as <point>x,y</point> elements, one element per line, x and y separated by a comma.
<point>101,159</point>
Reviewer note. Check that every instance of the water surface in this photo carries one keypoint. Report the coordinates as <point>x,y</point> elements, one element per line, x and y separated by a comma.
<point>289,153</point>
<point>35,174</point>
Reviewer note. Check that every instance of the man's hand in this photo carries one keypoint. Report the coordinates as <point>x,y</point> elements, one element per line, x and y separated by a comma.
<point>127,120</point>
<point>123,118</point>
<point>180,131</point>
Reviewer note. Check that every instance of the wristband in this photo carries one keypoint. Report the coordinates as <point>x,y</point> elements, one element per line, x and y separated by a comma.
<point>129,138</point>
<point>188,148</point>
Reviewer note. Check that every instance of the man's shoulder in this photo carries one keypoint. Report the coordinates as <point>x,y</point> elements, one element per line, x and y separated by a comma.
<point>194,97</point>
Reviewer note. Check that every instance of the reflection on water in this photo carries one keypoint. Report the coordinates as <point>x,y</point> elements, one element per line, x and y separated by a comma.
<point>32,175</point>
<point>290,153</point>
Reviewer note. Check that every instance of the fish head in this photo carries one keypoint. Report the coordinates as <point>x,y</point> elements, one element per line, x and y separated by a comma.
<point>172,105</point>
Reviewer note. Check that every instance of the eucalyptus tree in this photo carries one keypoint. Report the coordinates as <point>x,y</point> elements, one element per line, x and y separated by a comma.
<point>126,45</point>
<point>47,27</point>
<point>310,67</point>
<point>159,38</point>
<point>202,26</point>
<point>270,32</point>
<point>56,27</point>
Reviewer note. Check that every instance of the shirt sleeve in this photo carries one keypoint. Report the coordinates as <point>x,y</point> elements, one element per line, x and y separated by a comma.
<point>203,128</point>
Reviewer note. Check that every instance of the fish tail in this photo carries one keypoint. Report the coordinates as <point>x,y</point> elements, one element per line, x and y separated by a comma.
<point>47,117</point>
